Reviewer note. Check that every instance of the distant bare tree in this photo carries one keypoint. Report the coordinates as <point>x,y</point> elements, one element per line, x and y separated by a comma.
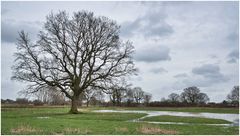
<point>117,95</point>
<point>57,98</point>
<point>73,54</point>
<point>234,95</point>
<point>138,94</point>
<point>118,92</point>
<point>202,98</point>
<point>37,102</point>
<point>43,95</point>
<point>173,97</point>
<point>193,95</point>
<point>129,96</point>
<point>163,99</point>
<point>89,95</point>
<point>99,97</point>
<point>147,98</point>
<point>22,101</point>
<point>50,95</point>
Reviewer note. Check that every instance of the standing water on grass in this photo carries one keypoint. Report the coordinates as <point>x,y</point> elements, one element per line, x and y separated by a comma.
<point>234,118</point>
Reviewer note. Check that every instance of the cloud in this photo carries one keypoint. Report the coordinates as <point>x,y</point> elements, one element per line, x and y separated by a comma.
<point>10,29</point>
<point>213,56</point>
<point>199,82</point>
<point>233,36</point>
<point>181,75</point>
<point>4,11</point>
<point>203,76</point>
<point>152,24</point>
<point>160,53</point>
<point>233,56</point>
<point>158,70</point>
<point>211,72</point>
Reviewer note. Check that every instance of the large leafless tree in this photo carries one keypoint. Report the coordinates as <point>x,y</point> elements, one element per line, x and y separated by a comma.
<point>73,54</point>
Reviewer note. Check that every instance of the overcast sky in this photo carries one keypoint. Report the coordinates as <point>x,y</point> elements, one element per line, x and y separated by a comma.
<point>178,44</point>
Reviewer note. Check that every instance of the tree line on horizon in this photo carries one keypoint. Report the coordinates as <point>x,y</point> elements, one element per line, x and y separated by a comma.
<point>191,96</point>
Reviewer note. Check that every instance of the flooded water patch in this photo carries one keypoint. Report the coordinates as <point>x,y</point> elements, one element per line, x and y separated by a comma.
<point>234,118</point>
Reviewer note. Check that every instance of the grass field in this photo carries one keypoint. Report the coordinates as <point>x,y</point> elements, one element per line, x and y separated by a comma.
<point>57,121</point>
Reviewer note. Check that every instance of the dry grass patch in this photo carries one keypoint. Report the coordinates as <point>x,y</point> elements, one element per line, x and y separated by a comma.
<point>121,129</point>
<point>150,130</point>
<point>24,129</point>
<point>83,110</point>
<point>76,131</point>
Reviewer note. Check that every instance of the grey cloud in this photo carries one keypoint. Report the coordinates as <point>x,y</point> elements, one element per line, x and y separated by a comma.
<point>202,76</point>
<point>158,70</point>
<point>127,28</point>
<point>233,36</point>
<point>198,82</point>
<point>10,29</point>
<point>233,41</point>
<point>232,60</point>
<point>210,72</point>
<point>152,24</point>
<point>233,56</point>
<point>213,56</point>
<point>153,54</point>
<point>182,75</point>
<point>206,70</point>
<point>4,11</point>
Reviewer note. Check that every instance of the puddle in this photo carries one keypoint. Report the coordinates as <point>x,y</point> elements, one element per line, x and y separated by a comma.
<point>234,118</point>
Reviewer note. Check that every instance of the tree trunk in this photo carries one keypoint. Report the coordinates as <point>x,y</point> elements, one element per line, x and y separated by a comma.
<point>74,105</point>
<point>87,103</point>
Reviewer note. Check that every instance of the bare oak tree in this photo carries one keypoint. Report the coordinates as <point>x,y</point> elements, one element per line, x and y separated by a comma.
<point>73,54</point>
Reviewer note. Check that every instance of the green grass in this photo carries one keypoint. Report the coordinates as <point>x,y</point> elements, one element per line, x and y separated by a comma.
<point>25,121</point>
<point>177,109</point>
<point>167,118</point>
